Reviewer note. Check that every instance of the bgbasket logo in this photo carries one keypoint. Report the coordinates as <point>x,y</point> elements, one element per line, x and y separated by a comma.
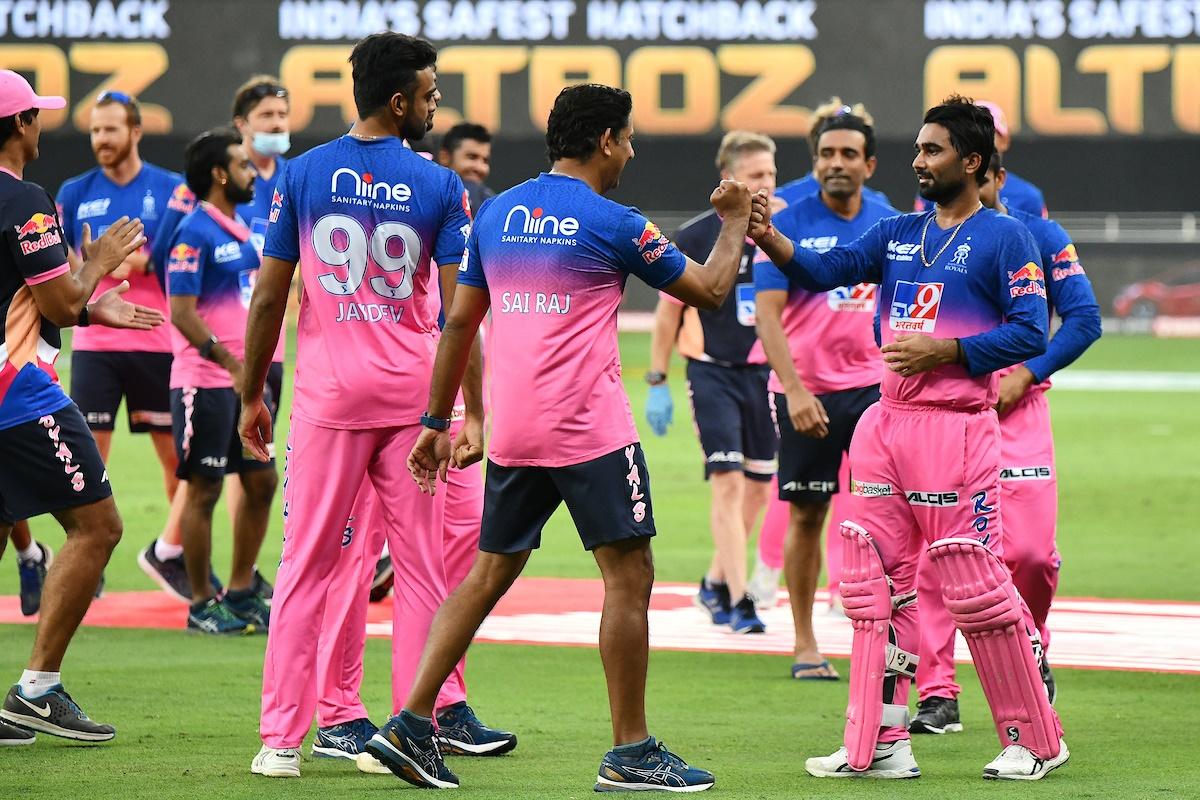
<point>538,223</point>
<point>365,186</point>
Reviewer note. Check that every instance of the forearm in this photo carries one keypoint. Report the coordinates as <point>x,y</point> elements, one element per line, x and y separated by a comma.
<point>472,381</point>
<point>779,354</point>
<point>1080,327</point>
<point>721,268</point>
<point>1010,343</point>
<point>778,247</point>
<point>453,353</point>
<point>198,334</point>
<point>667,317</point>
<point>264,325</point>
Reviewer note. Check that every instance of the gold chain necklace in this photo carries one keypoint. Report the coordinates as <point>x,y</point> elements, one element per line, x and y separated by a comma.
<point>925,230</point>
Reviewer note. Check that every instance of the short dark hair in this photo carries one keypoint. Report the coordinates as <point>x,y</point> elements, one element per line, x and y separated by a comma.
<point>133,111</point>
<point>8,125</point>
<point>209,149</point>
<point>581,115</point>
<point>254,91</point>
<point>385,63</point>
<point>848,122</point>
<point>971,129</point>
<point>996,163</point>
<point>463,131</point>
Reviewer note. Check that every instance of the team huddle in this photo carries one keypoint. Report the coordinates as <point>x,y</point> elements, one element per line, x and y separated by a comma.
<point>833,337</point>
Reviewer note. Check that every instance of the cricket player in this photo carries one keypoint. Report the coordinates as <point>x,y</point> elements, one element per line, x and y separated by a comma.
<point>965,297</point>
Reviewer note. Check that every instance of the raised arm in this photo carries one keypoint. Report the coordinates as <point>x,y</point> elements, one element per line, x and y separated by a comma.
<point>62,299</point>
<point>706,285</point>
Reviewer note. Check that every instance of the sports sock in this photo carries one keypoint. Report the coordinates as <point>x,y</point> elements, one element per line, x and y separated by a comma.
<point>422,726</point>
<point>634,750</point>
<point>35,684</point>
<point>238,595</point>
<point>165,552</point>
<point>31,554</point>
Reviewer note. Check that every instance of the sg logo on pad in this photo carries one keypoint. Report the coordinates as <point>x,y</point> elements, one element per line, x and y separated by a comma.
<point>915,306</point>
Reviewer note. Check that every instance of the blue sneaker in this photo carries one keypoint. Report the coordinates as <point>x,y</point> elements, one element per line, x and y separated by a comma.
<point>346,740</point>
<point>410,754</point>
<point>460,733</point>
<point>656,768</point>
<point>714,598</point>
<point>745,619</point>
<point>213,616</point>
<point>33,575</point>
<point>249,606</point>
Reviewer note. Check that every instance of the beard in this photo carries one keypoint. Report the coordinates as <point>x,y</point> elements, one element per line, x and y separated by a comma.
<point>942,192</point>
<point>415,128</point>
<point>111,155</point>
<point>240,194</point>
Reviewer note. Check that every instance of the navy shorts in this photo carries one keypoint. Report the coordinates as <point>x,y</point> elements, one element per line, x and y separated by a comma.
<point>808,467</point>
<point>100,379</point>
<point>732,409</point>
<point>206,433</point>
<point>50,464</point>
<point>608,497</point>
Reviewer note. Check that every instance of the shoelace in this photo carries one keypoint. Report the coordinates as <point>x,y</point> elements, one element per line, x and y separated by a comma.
<point>1014,752</point>
<point>72,704</point>
<point>667,757</point>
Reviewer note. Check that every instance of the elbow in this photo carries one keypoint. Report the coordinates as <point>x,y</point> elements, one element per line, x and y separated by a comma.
<point>1094,328</point>
<point>63,317</point>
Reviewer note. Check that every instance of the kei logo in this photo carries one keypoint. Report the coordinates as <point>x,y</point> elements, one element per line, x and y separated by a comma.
<point>915,306</point>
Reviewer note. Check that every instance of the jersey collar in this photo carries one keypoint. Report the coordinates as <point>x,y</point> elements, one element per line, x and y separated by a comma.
<point>233,227</point>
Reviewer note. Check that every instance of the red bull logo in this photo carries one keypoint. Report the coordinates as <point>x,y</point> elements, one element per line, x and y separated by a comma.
<point>38,224</point>
<point>183,258</point>
<point>650,233</point>
<point>1032,279</point>
<point>182,199</point>
<point>1067,255</point>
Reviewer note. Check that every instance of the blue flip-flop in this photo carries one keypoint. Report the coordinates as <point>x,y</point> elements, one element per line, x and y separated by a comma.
<point>823,664</point>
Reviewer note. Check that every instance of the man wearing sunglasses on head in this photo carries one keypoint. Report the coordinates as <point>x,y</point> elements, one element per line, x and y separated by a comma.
<point>260,115</point>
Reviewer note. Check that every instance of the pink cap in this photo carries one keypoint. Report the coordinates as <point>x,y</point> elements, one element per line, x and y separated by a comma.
<point>997,116</point>
<point>16,95</point>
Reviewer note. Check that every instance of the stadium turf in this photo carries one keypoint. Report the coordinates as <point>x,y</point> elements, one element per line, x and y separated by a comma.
<point>186,707</point>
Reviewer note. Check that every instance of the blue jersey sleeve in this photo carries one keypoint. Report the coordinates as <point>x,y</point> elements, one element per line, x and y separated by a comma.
<point>456,224</point>
<point>66,205</point>
<point>283,230</point>
<point>185,262</point>
<point>767,276</point>
<point>861,261</point>
<point>182,203</point>
<point>1070,294</point>
<point>1020,292</point>
<point>639,248</point>
<point>470,271</point>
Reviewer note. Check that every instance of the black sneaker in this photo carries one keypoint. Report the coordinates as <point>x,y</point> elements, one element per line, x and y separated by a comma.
<point>461,733</point>
<point>250,606</point>
<point>381,584</point>
<point>213,616</point>
<point>54,713</point>
<point>33,576</point>
<point>410,754</point>
<point>936,715</point>
<point>14,735</point>
<point>170,574</point>
<point>262,587</point>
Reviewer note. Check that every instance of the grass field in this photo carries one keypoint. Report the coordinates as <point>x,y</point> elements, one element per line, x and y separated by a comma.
<point>186,708</point>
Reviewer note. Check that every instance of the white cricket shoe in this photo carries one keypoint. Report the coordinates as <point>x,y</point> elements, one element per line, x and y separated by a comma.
<point>1017,763</point>
<point>892,760</point>
<point>763,585</point>
<point>282,763</point>
<point>370,764</point>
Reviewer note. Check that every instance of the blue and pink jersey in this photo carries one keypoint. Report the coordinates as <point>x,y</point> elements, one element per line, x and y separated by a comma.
<point>553,256</point>
<point>1069,293</point>
<point>212,259</point>
<point>985,287</point>
<point>368,222</point>
<point>830,333</point>
<point>94,199</point>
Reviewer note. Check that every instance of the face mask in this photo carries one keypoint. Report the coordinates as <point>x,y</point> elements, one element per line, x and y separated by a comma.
<point>272,144</point>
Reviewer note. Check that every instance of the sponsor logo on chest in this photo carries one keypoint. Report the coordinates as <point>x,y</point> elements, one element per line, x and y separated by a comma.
<point>230,251</point>
<point>93,208</point>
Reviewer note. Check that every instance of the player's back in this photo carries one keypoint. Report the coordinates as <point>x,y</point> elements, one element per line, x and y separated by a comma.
<point>554,256</point>
<point>367,220</point>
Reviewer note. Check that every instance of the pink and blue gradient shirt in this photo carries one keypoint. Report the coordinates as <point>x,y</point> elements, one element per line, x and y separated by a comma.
<point>212,259</point>
<point>553,256</point>
<point>985,287</point>
<point>829,334</point>
<point>368,221</point>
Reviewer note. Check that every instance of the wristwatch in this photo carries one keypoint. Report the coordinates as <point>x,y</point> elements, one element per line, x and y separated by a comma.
<point>435,423</point>
<point>83,320</point>
<point>205,349</point>
<point>656,378</point>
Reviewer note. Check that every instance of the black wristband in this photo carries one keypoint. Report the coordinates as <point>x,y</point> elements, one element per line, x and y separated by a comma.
<point>656,378</point>
<point>83,320</point>
<point>959,356</point>
<point>435,423</point>
<point>206,348</point>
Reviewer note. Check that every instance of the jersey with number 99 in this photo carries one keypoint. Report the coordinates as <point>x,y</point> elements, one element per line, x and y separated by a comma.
<point>367,221</point>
